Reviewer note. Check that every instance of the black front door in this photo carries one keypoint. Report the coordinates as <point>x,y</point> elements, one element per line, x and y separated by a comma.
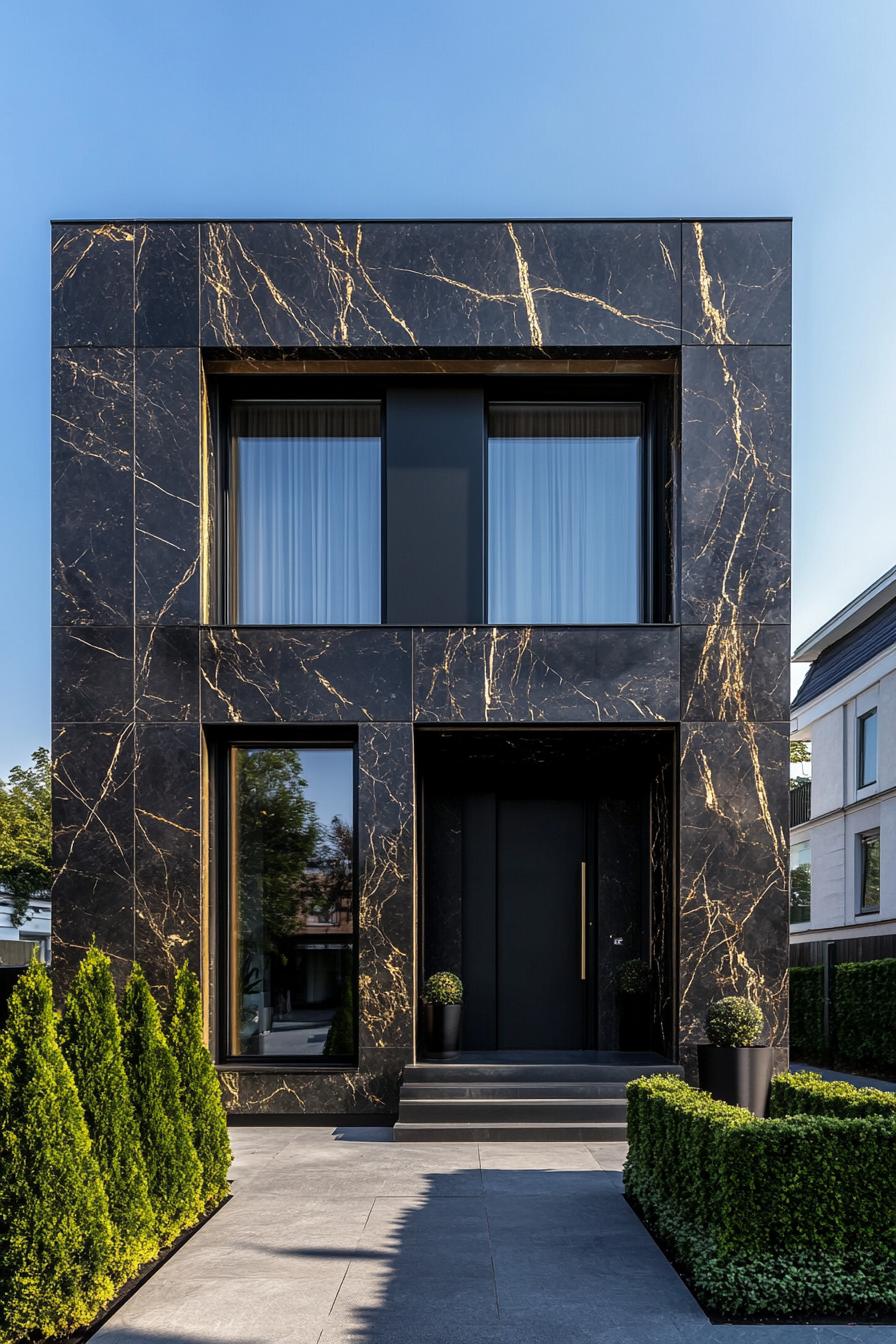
<point>522,890</point>
<point>539,924</point>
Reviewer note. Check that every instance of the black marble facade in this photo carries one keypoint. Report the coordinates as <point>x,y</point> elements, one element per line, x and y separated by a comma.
<point>139,673</point>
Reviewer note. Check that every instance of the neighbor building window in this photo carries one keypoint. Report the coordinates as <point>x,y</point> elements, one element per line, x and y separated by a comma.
<point>564,513</point>
<point>291,917</point>
<point>867,749</point>
<point>800,883</point>
<point>305,508</point>
<point>869,873</point>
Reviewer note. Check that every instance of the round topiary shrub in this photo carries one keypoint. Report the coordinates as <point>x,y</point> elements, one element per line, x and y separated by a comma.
<point>633,977</point>
<point>443,987</point>
<point>733,1021</point>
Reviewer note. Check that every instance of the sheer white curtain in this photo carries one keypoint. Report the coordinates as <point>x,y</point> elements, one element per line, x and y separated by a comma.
<point>564,514</point>
<point>307,513</point>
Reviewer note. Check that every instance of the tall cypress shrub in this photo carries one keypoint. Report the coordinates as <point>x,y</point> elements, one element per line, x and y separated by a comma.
<point>91,1042</point>
<point>200,1091</point>
<point>55,1235</point>
<point>175,1176</point>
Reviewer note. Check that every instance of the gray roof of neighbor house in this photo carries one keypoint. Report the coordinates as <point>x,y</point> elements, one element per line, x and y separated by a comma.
<point>852,650</point>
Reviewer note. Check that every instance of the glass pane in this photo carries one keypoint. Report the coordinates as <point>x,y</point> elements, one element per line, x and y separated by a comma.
<point>292,901</point>
<point>564,514</point>
<point>800,884</point>
<point>870,872</point>
<point>306,490</point>
<point>868,749</point>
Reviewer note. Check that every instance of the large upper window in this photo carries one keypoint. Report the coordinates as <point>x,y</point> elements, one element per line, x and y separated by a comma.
<point>564,514</point>
<point>290,920</point>
<point>305,513</point>
<point>414,500</point>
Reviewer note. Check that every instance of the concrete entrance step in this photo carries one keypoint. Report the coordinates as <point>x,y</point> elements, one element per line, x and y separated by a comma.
<point>516,1110</point>
<point>543,1099</point>
<point>508,1132</point>
<point>499,1091</point>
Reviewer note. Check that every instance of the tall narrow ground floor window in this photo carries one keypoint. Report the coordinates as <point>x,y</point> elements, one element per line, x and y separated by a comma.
<point>290,919</point>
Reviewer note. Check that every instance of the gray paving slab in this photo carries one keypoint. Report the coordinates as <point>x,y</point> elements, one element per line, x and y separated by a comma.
<point>335,1237</point>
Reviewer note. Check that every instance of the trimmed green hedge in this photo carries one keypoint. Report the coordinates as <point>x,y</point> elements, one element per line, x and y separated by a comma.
<point>865,1013</point>
<point>864,1025</point>
<point>790,1216</point>
<point>807,1013</point>
<point>810,1094</point>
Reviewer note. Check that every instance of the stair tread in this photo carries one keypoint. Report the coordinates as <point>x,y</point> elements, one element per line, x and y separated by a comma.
<point>517,1101</point>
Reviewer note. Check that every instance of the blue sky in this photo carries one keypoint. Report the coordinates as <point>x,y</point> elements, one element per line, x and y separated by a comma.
<point>480,107</point>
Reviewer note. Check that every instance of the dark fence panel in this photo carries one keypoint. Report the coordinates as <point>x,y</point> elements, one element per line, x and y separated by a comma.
<point>847,949</point>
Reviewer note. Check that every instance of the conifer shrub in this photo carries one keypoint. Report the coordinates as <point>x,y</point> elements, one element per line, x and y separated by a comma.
<point>173,1168</point>
<point>55,1233</point>
<point>91,1041</point>
<point>200,1091</point>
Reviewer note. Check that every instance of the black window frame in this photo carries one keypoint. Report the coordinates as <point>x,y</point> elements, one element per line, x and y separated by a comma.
<point>861,755</point>
<point>864,839</point>
<point>221,744</point>
<point>654,393</point>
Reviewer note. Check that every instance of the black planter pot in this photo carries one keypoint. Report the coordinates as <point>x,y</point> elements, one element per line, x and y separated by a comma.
<point>635,1021</point>
<point>442,1029</point>
<point>738,1074</point>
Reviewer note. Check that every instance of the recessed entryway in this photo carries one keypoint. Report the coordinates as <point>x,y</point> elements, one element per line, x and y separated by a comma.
<point>546,864</point>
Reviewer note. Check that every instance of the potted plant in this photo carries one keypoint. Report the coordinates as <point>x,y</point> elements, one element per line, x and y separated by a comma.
<point>633,986</point>
<point>442,1000</point>
<point>732,1067</point>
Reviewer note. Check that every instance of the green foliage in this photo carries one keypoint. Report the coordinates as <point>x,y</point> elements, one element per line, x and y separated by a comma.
<point>175,1173</point>
<point>810,1094</point>
<point>800,753</point>
<point>91,1041</point>
<point>865,1014</point>
<point>633,977</point>
<point>341,1036</point>
<point>200,1091</point>
<point>443,987</point>
<point>794,1215</point>
<point>55,1235</point>
<point>733,1021</point>
<point>25,832</point>
<point>807,1013</point>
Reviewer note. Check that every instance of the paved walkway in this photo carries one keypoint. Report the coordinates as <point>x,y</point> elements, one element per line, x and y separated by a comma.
<point>343,1237</point>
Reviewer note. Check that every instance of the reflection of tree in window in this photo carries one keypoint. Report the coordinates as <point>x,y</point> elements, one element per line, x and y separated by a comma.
<point>800,884</point>
<point>293,889</point>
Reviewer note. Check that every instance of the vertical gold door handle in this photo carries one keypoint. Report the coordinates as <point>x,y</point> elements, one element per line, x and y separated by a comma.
<point>583,959</point>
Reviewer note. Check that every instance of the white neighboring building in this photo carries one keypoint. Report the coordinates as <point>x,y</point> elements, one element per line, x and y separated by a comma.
<point>17,942</point>
<point>844,855</point>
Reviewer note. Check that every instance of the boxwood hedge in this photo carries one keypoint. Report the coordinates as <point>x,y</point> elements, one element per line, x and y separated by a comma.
<point>865,1013</point>
<point>807,1013</point>
<point>790,1216</point>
